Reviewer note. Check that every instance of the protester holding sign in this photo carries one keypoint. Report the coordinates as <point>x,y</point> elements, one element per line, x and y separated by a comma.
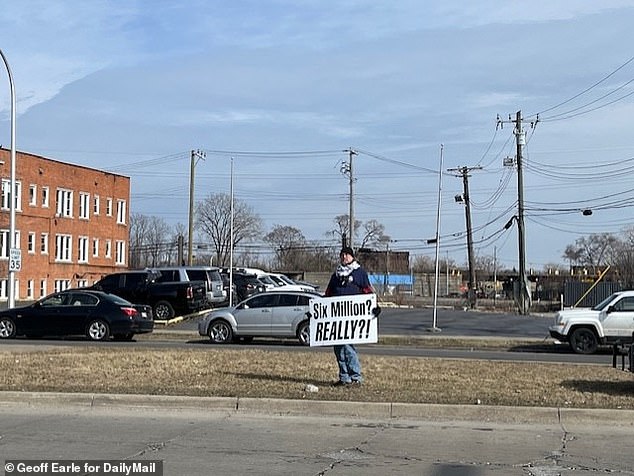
<point>348,279</point>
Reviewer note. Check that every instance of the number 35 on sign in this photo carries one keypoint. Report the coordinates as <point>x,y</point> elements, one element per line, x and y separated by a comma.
<point>15,259</point>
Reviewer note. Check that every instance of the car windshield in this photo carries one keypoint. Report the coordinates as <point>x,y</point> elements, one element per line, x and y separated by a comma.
<point>604,303</point>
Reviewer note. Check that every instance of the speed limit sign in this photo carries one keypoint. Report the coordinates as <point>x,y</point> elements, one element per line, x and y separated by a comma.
<point>15,259</point>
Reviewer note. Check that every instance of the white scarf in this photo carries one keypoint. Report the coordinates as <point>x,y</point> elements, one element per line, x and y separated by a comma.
<point>344,270</point>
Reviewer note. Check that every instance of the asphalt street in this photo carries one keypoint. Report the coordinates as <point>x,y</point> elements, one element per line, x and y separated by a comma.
<point>223,436</point>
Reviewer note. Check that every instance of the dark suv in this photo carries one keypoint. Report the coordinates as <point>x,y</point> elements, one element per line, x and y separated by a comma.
<point>244,284</point>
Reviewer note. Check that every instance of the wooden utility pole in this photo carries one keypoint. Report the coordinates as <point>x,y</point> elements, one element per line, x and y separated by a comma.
<point>196,154</point>
<point>464,172</point>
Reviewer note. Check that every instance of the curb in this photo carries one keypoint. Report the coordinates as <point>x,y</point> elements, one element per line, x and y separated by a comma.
<point>326,408</point>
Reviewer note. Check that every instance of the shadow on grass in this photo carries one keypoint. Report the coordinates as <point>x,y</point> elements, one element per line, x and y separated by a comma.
<point>616,389</point>
<point>279,378</point>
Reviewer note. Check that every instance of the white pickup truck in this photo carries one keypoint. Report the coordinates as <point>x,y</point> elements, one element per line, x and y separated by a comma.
<point>609,322</point>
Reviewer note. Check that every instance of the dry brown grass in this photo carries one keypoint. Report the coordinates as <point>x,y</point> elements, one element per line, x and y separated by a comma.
<point>261,373</point>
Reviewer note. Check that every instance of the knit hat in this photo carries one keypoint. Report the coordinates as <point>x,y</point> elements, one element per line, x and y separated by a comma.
<point>347,250</point>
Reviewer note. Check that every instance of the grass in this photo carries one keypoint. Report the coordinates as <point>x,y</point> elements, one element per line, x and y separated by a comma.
<point>249,372</point>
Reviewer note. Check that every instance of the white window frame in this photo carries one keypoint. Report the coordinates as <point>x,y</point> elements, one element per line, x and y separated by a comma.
<point>120,253</point>
<point>108,249</point>
<point>108,207</point>
<point>61,284</point>
<point>5,245</point>
<point>44,243</point>
<point>95,205</point>
<point>64,202</point>
<point>121,212</point>
<point>6,186</point>
<point>33,195</point>
<point>43,287</point>
<point>82,249</point>
<point>30,245</point>
<point>29,288</point>
<point>63,248</point>
<point>84,206</point>
<point>45,197</point>
<point>95,247</point>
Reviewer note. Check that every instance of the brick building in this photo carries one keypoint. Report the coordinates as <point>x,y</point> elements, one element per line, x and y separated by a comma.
<point>71,224</point>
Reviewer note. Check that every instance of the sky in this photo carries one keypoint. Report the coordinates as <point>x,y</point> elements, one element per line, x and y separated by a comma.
<point>284,89</point>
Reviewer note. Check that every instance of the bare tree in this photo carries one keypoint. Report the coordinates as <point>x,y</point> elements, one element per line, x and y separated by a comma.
<point>342,228</point>
<point>213,219</point>
<point>150,241</point>
<point>289,246</point>
<point>374,234</point>
<point>592,251</point>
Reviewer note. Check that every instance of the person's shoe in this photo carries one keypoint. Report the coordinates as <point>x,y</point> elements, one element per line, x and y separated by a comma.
<point>340,383</point>
<point>356,383</point>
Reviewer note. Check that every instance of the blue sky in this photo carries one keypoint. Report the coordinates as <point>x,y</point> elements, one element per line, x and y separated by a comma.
<point>285,87</point>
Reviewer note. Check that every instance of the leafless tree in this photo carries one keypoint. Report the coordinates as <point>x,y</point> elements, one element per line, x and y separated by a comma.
<point>289,246</point>
<point>592,251</point>
<point>213,219</point>
<point>373,232</point>
<point>150,241</point>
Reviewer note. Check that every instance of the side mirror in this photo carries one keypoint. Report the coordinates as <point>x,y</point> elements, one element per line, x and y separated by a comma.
<point>610,309</point>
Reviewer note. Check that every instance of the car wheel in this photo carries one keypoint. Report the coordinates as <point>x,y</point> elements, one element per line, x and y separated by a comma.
<point>303,333</point>
<point>163,310</point>
<point>584,341</point>
<point>98,330</point>
<point>7,328</point>
<point>220,332</point>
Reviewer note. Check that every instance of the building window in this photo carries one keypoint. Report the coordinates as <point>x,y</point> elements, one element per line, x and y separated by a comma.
<point>120,256</point>
<point>108,249</point>
<point>61,284</point>
<point>121,212</point>
<point>63,248</point>
<point>84,205</point>
<point>95,205</point>
<point>109,207</point>
<point>33,195</point>
<point>31,242</point>
<point>5,245</point>
<point>45,197</point>
<point>64,202</point>
<point>44,243</point>
<point>6,192</point>
<point>95,247</point>
<point>29,289</point>
<point>82,283</point>
<point>82,249</point>
<point>42,288</point>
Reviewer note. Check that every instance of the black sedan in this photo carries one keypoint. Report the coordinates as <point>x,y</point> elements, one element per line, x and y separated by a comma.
<point>95,314</point>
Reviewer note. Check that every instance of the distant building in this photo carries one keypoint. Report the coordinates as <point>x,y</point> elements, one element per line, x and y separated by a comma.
<point>72,224</point>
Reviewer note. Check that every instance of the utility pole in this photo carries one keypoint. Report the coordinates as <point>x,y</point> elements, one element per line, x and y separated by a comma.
<point>464,172</point>
<point>348,170</point>
<point>196,154</point>
<point>524,294</point>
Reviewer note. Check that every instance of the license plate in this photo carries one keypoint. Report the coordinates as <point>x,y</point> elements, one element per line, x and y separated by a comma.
<point>143,314</point>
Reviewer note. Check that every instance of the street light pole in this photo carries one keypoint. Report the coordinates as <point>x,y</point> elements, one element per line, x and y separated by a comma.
<point>12,243</point>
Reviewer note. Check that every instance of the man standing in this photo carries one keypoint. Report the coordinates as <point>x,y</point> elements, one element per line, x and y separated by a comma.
<point>349,278</point>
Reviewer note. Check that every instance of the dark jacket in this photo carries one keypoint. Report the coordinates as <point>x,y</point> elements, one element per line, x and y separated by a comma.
<point>357,282</point>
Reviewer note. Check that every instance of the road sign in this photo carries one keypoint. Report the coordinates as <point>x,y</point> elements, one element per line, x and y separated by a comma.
<point>15,259</point>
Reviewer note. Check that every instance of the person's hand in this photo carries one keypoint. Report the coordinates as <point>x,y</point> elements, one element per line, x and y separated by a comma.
<point>376,311</point>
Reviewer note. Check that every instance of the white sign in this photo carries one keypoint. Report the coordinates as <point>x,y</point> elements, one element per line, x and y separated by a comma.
<point>15,259</point>
<point>343,320</point>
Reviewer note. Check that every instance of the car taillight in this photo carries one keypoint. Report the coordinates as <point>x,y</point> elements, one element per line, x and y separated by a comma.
<point>130,312</point>
<point>190,293</point>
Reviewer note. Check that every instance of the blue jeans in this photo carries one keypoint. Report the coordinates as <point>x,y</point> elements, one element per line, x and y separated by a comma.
<point>349,365</point>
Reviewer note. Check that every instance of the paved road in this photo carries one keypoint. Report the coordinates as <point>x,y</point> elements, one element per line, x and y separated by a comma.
<point>196,436</point>
<point>395,321</point>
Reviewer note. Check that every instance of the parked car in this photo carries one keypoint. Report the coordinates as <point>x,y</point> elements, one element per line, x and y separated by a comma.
<point>271,314</point>
<point>167,299</point>
<point>244,284</point>
<point>95,314</point>
<point>609,322</point>
<point>208,274</point>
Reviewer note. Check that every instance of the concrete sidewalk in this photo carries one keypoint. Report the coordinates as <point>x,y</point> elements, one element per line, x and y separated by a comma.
<point>218,436</point>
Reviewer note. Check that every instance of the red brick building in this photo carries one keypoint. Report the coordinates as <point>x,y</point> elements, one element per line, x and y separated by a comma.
<point>71,224</point>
